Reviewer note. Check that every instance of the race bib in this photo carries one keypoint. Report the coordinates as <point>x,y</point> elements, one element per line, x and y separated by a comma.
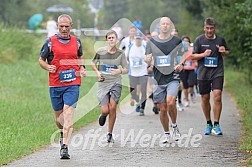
<point>67,75</point>
<point>106,68</point>
<point>211,61</point>
<point>163,61</point>
<point>137,62</point>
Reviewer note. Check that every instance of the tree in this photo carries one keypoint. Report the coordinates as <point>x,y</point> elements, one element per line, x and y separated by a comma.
<point>14,12</point>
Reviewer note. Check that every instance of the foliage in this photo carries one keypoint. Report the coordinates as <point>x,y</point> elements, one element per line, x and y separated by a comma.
<point>18,12</point>
<point>142,10</point>
<point>146,11</point>
<point>233,19</point>
<point>16,45</point>
<point>194,7</point>
<point>12,11</point>
<point>112,11</point>
<point>189,26</point>
<point>244,24</point>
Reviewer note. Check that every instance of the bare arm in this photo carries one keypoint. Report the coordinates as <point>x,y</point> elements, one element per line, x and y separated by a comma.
<point>98,73</point>
<point>149,59</point>
<point>198,56</point>
<point>46,66</point>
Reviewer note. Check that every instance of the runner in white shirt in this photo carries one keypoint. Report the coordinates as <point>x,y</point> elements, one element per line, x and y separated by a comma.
<point>138,74</point>
<point>130,39</point>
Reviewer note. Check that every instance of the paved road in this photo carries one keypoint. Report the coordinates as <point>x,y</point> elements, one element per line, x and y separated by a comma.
<point>137,142</point>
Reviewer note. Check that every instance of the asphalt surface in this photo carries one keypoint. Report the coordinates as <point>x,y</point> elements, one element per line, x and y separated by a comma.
<point>138,142</point>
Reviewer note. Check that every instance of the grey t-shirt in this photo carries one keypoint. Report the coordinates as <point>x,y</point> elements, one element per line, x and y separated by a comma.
<point>165,54</point>
<point>105,60</point>
<point>206,71</point>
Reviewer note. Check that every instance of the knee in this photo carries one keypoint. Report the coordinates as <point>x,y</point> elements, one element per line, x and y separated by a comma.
<point>163,108</point>
<point>205,98</point>
<point>112,107</point>
<point>217,99</point>
<point>171,104</point>
<point>105,110</point>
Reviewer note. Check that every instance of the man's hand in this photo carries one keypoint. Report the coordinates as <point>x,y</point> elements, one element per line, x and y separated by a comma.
<point>83,71</point>
<point>148,58</point>
<point>115,71</point>
<point>51,68</point>
<point>178,67</point>
<point>207,52</point>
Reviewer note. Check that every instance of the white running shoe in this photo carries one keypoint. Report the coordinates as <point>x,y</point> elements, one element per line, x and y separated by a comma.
<point>180,107</point>
<point>187,103</point>
<point>167,138</point>
<point>175,133</point>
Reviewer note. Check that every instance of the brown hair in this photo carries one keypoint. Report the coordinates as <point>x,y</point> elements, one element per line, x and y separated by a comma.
<point>184,36</point>
<point>111,32</point>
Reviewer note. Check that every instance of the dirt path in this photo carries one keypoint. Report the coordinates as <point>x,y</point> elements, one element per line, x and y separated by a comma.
<point>137,142</point>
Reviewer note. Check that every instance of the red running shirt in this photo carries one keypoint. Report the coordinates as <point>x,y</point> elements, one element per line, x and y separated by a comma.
<point>189,64</point>
<point>65,59</point>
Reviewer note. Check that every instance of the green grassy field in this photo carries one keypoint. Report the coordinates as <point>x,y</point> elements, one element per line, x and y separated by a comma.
<point>241,91</point>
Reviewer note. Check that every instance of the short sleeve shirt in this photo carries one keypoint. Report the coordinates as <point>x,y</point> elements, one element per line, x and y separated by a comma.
<point>200,45</point>
<point>171,47</point>
<point>102,58</point>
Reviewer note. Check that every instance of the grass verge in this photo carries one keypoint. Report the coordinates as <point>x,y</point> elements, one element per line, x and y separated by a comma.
<point>241,90</point>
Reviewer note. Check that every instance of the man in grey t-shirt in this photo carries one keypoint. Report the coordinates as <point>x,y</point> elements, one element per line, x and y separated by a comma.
<point>161,55</point>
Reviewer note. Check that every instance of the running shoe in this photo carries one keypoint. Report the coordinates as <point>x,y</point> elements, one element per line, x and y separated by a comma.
<point>175,133</point>
<point>167,138</point>
<point>64,153</point>
<point>217,130</point>
<point>187,103</point>
<point>208,129</point>
<point>141,112</point>
<point>110,138</point>
<point>102,119</point>
<point>138,108</point>
<point>155,110</point>
<point>180,107</point>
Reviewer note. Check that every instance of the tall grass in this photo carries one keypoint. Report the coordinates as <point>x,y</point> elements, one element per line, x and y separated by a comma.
<point>16,45</point>
<point>241,89</point>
